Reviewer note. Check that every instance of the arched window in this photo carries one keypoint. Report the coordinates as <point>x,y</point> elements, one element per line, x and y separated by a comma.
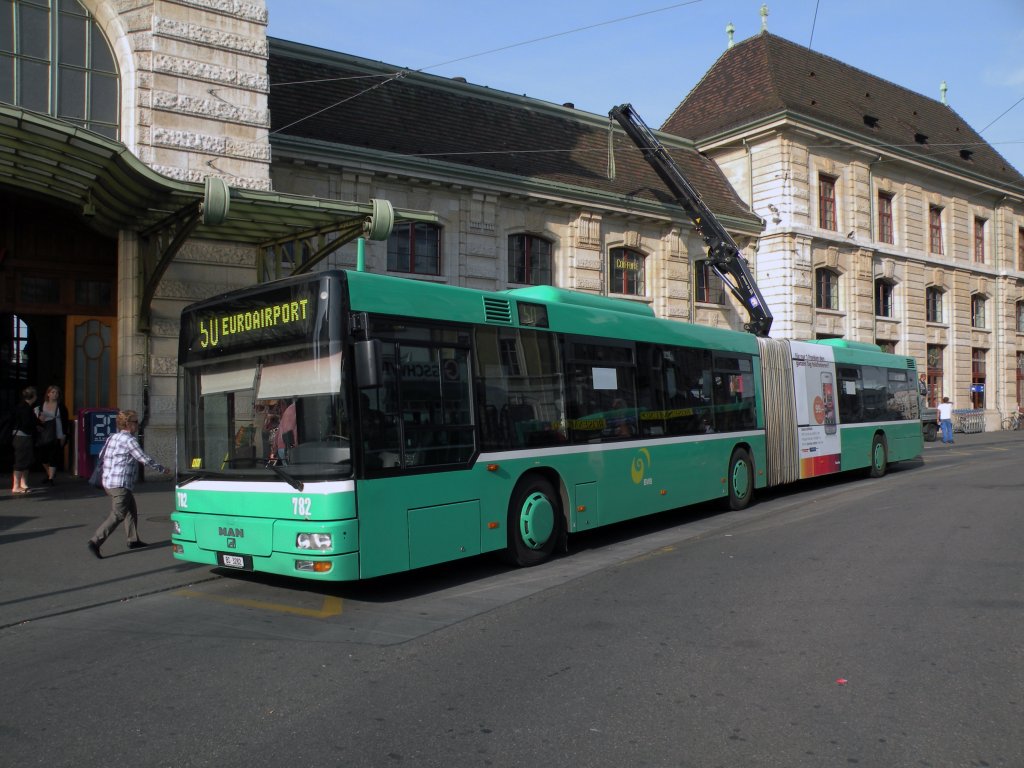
<point>884,290</point>
<point>529,260</point>
<point>978,310</point>
<point>626,272</point>
<point>55,60</point>
<point>826,288</point>
<point>933,305</point>
<point>18,360</point>
<point>415,247</point>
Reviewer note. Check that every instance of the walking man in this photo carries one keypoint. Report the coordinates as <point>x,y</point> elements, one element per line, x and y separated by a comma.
<point>946,420</point>
<point>121,456</point>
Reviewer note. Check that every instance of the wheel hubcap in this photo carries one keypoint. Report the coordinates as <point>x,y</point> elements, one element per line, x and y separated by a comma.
<point>536,520</point>
<point>740,479</point>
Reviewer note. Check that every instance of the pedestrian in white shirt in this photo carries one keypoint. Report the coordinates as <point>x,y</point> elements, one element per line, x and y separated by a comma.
<point>946,420</point>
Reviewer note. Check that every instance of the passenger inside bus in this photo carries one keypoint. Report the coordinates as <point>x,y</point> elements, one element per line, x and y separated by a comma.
<point>287,433</point>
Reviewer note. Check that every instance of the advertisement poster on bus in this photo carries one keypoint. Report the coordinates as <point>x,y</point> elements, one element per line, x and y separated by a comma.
<point>817,416</point>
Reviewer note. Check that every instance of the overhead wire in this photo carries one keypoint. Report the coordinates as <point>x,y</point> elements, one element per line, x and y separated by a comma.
<point>402,73</point>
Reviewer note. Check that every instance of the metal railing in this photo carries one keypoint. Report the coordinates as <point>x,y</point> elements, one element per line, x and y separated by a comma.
<point>969,420</point>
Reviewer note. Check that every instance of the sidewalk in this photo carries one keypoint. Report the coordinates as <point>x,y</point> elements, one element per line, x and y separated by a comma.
<point>46,569</point>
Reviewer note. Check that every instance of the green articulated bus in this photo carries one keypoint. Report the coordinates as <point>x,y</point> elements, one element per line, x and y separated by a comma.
<point>345,425</point>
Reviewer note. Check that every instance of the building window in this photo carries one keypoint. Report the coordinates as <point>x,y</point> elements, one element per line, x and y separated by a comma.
<point>415,247</point>
<point>1020,317</point>
<point>1020,249</point>
<point>626,270</point>
<point>827,202</point>
<point>17,363</point>
<point>826,294</point>
<point>55,60</point>
<point>935,355</point>
<point>977,311</point>
<point>887,346</point>
<point>708,287</point>
<point>977,378</point>
<point>883,297</point>
<point>529,260</point>
<point>885,232</point>
<point>935,229</point>
<point>979,240</point>
<point>94,293</point>
<point>933,303</point>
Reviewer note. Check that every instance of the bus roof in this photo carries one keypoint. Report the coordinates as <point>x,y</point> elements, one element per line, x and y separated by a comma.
<point>567,311</point>
<point>863,346</point>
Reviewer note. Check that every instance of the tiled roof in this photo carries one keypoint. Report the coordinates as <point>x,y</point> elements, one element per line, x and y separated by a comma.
<point>766,75</point>
<point>329,97</point>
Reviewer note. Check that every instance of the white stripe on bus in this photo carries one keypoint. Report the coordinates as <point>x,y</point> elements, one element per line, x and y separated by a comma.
<point>317,489</point>
<point>625,445</point>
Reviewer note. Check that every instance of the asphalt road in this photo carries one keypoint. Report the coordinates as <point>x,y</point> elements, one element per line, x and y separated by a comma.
<point>860,622</point>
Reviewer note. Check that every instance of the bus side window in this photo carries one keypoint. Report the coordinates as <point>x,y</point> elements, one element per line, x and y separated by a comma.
<point>849,396</point>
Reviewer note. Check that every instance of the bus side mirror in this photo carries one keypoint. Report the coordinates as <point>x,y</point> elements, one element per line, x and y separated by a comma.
<point>367,361</point>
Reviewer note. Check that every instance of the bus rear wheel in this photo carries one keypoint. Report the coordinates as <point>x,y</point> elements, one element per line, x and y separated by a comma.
<point>741,479</point>
<point>534,521</point>
<point>879,457</point>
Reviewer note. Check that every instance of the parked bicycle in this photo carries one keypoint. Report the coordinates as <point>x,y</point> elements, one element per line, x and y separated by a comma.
<point>1012,421</point>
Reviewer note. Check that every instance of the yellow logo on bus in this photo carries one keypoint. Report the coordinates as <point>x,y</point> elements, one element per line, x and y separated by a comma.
<point>641,463</point>
<point>197,463</point>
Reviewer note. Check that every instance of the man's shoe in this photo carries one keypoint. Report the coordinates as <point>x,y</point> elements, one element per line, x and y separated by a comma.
<point>137,544</point>
<point>95,549</point>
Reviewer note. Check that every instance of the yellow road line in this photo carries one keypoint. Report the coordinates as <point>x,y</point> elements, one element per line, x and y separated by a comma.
<point>332,606</point>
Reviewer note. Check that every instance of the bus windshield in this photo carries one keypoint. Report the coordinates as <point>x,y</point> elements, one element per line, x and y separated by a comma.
<point>266,414</point>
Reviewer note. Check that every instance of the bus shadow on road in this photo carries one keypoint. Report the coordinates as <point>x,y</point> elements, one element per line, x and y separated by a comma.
<point>463,573</point>
<point>459,574</point>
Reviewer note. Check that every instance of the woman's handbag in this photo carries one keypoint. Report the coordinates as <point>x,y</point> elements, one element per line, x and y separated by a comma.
<point>47,433</point>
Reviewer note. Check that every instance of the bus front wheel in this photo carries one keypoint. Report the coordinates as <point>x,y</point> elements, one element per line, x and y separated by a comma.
<point>879,457</point>
<point>741,479</point>
<point>534,518</point>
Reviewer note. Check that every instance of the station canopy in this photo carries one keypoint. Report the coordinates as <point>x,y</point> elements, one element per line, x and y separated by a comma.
<point>112,190</point>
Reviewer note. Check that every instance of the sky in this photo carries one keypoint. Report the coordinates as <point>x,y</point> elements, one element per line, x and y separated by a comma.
<point>651,53</point>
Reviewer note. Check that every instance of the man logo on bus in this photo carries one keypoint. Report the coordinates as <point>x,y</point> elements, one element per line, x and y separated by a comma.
<point>641,463</point>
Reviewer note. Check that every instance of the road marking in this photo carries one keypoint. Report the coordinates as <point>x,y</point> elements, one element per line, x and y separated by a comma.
<point>332,606</point>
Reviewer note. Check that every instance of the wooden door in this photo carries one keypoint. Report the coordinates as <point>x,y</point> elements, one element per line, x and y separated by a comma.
<point>91,370</point>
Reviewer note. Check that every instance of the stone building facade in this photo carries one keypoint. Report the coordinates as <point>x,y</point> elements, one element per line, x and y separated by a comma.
<point>798,172</point>
<point>194,104</point>
<point>495,167</point>
<point>888,219</point>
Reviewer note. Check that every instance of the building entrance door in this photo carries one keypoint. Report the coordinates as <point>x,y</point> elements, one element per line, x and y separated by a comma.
<point>91,366</point>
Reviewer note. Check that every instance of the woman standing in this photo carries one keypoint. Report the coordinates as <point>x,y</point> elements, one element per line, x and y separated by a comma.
<point>53,415</point>
<point>23,437</point>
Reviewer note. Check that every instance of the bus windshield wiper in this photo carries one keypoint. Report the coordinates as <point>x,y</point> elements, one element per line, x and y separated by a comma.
<point>294,482</point>
<point>188,479</point>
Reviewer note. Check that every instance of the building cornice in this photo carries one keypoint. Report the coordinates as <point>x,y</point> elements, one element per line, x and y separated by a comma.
<point>787,120</point>
<point>288,148</point>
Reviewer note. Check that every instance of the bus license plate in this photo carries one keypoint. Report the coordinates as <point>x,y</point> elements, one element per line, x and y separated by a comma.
<point>243,562</point>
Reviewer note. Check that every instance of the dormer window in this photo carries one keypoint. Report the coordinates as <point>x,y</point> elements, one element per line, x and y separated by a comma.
<point>920,138</point>
<point>871,121</point>
<point>966,155</point>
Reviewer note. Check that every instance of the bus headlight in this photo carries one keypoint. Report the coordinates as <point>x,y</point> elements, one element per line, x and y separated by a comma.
<point>318,541</point>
